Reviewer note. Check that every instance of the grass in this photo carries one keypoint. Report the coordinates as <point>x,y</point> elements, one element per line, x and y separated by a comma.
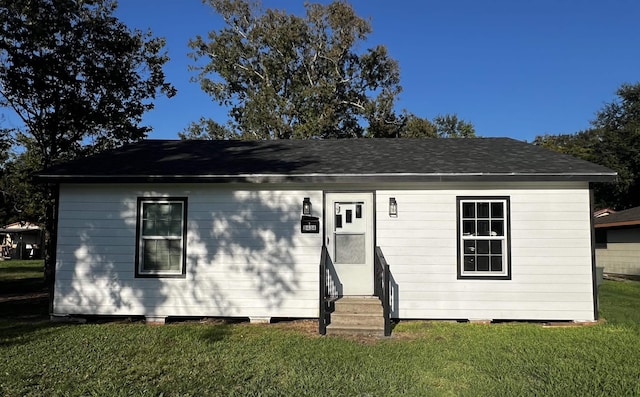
<point>17,276</point>
<point>422,358</point>
<point>22,290</point>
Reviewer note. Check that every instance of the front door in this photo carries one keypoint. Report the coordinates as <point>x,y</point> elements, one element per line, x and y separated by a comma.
<point>349,234</point>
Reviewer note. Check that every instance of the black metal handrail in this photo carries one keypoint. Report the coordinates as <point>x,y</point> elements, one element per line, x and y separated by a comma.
<point>382,287</point>
<point>328,289</point>
<point>322,321</point>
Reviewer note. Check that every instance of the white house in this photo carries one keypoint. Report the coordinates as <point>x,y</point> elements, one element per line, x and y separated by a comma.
<point>471,229</point>
<point>618,242</point>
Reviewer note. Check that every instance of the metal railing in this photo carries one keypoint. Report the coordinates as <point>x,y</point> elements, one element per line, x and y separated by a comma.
<point>329,290</point>
<point>382,287</point>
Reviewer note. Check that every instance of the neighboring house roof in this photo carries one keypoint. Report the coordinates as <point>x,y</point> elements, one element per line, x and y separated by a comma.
<point>20,227</point>
<point>603,212</point>
<point>628,217</point>
<point>329,160</point>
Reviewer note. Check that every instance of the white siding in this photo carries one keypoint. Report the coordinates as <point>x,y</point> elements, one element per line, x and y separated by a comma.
<point>550,254</point>
<point>622,255</point>
<point>245,254</point>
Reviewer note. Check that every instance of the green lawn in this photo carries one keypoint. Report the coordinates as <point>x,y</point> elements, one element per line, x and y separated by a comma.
<point>422,358</point>
<point>21,275</point>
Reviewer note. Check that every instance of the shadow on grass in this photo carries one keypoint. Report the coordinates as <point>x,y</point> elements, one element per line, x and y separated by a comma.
<point>217,333</point>
<point>22,286</point>
<point>34,306</point>
<point>14,332</point>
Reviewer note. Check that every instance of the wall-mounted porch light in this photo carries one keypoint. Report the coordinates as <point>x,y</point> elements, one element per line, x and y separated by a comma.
<point>306,206</point>
<point>393,207</point>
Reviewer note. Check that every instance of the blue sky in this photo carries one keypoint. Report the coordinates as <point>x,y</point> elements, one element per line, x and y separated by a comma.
<point>512,68</point>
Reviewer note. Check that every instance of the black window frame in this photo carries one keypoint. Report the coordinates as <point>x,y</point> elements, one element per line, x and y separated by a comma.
<point>139,272</point>
<point>506,247</point>
<point>601,238</point>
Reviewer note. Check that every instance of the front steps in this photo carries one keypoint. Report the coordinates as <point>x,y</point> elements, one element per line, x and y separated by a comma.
<point>357,315</point>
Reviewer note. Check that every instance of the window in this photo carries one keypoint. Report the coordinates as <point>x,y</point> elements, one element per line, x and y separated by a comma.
<point>161,229</point>
<point>601,238</point>
<point>483,238</point>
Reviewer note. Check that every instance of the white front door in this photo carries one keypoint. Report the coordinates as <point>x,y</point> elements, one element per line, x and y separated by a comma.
<point>349,234</point>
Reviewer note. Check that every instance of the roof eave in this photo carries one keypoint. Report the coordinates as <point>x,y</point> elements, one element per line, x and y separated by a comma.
<point>635,222</point>
<point>331,178</point>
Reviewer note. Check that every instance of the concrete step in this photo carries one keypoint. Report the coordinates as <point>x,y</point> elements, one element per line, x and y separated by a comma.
<point>357,315</point>
<point>354,330</point>
<point>359,305</point>
<point>364,320</point>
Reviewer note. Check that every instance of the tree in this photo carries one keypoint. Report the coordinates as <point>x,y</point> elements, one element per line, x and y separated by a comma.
<point>285,76</point>
<point>582,144</point>
<point>417,127</point>
<point>614,142</point>
<point>449,126</point>
<point>78,78</point>
<point>207,129</point>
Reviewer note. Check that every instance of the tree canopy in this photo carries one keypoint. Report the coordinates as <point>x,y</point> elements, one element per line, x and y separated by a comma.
<point>287,76</point>
<point>614,141</point>
<point>80,81</point>
<point>76,76</point>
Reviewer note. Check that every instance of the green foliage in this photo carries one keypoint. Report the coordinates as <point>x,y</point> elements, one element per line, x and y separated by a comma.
<point>449,126</point>
<point>613,142</point>
<point>207,129</point>
<point>77,77</point>
<point>421,358</point>
<point>286,76</point>
<point>417,127</point>
<point>80,82</point>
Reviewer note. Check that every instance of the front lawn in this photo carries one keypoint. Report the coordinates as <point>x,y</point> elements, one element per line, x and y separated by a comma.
<point>422,358</point>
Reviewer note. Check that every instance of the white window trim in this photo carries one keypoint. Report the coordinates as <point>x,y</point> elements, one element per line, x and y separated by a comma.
<point>140,238</point>
<point>505,239</point>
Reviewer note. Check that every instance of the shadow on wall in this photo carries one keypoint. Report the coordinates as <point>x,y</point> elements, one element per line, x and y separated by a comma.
<point>240,250</point>
<point>247,243</point>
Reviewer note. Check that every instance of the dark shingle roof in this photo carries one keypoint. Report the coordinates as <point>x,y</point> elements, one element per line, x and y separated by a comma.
<point>326,160</point>
<point>621,218</point>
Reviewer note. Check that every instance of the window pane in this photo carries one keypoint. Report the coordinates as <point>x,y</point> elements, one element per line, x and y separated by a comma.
<point>497,210</point>
<point>483,228</point>
<point>162,227</point>
<point>469,228</point>
<point>469,246</point>
<point>176,210</point>
<point>483,263</point>
<point>350,248</point>
<point>175,228</point>
<point>149,228</point>
<point>162,219</point>
<point>483,246</point>
<point>149,210</point>
<point>468,210</point>
<point>497,228</point>
<point>496,263</point>
<point>161,255</point>
<point>469,263</point>
<point>483,210</point>
<point>496,247</point>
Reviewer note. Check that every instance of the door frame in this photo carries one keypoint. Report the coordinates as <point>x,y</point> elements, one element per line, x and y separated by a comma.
<point>372,229</point>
